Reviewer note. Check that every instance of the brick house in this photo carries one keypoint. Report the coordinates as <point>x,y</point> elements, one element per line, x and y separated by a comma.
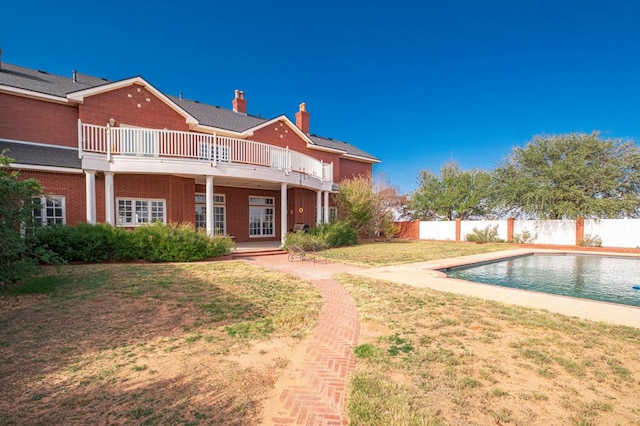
<point>124,153</point>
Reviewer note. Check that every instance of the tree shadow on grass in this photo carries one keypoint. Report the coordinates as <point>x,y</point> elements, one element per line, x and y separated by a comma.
<point>131,343</point>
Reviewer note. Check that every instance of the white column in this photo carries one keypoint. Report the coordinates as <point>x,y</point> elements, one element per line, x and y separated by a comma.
<point>283,212</point>
<point>318,207</point>
<point>90,176</point>
<point>209,196</point>
<point>326,206</point>
<point>109,202</point>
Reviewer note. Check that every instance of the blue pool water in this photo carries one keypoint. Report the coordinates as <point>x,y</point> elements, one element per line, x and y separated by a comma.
<point>603,278</point>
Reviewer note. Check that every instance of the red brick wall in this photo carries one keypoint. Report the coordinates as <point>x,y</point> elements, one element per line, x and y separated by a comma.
<point>271,135</point>
<point>280,134</point>
<point>304,199</point>
<point>328,158</point>
<point>178,192</point>
<point>32,120</point>
<point>237,210</point>
<point>71,186</point>
<point>351,168</point>
<point>122,105</point>
<point>409,230</point>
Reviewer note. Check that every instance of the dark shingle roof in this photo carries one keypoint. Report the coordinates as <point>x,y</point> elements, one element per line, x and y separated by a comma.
<point>208,115</point>
<point>41,155</point>
<point>43,82</point>
<point>343,146</point>
<point>215,116</point>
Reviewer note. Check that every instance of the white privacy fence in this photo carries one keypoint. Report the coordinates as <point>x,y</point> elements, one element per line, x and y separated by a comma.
<point>615,232</point>
<point>438,230</point>
<point>612,232</point>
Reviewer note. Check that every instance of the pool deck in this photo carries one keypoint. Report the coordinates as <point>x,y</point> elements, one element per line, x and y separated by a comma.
<point>425,274</point>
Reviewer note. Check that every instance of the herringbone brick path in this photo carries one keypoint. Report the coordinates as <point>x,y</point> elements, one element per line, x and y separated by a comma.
<point>312,391</point>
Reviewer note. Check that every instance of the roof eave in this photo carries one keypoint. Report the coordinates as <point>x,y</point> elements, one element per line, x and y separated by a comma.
<point>32,94</point>
<point>217,130</point>
<point>361,158</point>
<point>317,147</point>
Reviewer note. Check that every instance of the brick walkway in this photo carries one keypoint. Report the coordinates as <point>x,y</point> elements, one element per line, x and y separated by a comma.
<point>312,390</point>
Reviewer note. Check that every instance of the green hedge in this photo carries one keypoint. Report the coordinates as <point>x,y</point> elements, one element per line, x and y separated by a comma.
<point>335,234</point>
<point>155,243</point>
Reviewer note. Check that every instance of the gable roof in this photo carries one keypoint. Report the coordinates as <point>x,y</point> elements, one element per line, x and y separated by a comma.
<point>63,89</point>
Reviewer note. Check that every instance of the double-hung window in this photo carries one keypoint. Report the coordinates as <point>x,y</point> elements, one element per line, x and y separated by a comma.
<point>140,211</point>
<point>261,217</point>
<point>49,210</point>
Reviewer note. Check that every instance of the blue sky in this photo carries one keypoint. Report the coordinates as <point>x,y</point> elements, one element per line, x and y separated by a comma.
<point>414,83</point>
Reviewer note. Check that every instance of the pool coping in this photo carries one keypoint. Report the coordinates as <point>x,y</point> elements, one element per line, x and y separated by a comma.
<point>426,275</point>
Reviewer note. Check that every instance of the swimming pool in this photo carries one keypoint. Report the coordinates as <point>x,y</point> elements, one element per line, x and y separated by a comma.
<point>604,278</point>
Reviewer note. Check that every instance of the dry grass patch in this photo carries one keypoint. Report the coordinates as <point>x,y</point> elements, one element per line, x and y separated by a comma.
<point>448,359</point>
<point>398,252</point>
<point>149,344</point>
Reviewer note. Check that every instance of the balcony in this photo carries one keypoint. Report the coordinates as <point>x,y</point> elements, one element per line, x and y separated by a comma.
<point>198,147</point>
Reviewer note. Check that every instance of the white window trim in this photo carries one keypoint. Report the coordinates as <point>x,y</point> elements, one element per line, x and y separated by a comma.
<point>133,201</point>
<point>221,203</point>
<point>270,203</point>
<point>43,208</point>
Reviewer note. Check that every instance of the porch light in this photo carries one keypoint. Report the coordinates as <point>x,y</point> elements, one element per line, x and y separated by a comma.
<point>112,121</point>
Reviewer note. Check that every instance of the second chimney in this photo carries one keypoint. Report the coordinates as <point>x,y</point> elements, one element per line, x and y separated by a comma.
<point>302,118</point>
<point>239,103</point>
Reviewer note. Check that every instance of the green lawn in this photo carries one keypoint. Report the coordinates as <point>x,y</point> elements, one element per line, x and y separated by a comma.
<point>402,251</point>
<point>203,343</point>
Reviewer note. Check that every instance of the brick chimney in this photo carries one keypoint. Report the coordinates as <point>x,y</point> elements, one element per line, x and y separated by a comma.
<point>239,103</point>
<point>302,118</point>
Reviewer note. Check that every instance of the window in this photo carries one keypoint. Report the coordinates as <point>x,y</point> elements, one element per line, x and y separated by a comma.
<point>218,153</point>
<point>51,211</point>
<point>136,212</point>
<point>261,217</point>
<point>333,214</point>
<point>219,222</point>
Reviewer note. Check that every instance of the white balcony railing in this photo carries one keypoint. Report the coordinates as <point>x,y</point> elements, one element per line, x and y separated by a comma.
<point>138,142</point>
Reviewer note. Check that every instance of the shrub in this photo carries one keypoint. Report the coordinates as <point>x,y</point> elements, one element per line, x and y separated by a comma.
<point>524,237</point>
<point>304,240</point>
<point>338,234</point>
<point>18,198</point>
<point>335,234</point>
<point>155,242</point>
<point>83,242</point>
<point>486,235</point>
<point>591,241</point>
<point>177,243</point>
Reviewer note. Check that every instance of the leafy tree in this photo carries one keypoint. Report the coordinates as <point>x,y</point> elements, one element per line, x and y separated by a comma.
<point>571,175</point>
<point>451,194</point>
<point>16,209</point>
<point>366,206</point>
<point>388,205</point>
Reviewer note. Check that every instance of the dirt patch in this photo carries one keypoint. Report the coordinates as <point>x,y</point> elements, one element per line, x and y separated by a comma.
<point>147,346</point>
